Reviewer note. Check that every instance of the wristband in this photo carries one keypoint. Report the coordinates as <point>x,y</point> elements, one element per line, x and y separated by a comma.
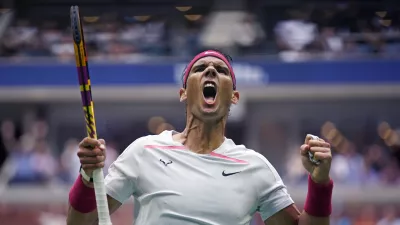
<point>319,199</point>
<point>81,197</point>
<point>85,176</point>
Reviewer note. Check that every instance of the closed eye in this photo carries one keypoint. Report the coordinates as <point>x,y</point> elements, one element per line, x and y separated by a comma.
<point>222,70</point>
<point>199,68</point>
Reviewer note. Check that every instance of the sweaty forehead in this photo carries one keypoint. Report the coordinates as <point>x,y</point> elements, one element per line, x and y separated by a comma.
<point>210,59</point>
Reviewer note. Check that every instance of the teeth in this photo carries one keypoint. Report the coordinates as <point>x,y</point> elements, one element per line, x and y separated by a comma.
<point>209,85</point>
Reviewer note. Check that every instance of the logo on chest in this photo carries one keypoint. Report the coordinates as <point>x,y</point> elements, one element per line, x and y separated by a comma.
<point>166,163</point>
<point>229,174</point>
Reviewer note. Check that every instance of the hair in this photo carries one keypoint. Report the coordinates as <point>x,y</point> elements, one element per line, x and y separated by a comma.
<point>228,57</point>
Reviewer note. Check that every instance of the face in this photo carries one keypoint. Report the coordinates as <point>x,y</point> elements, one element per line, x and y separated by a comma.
<point>209,89</point>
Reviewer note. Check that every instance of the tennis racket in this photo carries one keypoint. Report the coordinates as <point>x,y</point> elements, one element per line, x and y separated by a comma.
<point>311,155</point>
<point>87,103</point>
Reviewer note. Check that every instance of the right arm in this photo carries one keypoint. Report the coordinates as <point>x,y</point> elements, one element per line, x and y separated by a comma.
<point>76,218</point>
<point>120,181</point>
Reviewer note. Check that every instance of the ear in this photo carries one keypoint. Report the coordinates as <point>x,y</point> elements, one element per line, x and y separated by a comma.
<point>235,97</point>
<point>182,95</point>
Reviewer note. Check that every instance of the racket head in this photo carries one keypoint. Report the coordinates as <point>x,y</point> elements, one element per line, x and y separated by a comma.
<point>87,103</point>
<point>83,70</point>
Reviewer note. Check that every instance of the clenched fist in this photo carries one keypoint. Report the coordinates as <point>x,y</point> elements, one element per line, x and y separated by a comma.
<point>92,154</point>
<point>321,151</point>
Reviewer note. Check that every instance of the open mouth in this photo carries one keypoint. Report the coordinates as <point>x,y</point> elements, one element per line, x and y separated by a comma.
<point>209,92</point>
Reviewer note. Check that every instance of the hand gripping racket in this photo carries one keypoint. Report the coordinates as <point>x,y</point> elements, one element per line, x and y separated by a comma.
<point>311,155</point>
<point>87,102</point>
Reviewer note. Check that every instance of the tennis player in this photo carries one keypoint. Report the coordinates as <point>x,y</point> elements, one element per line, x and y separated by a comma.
<point>199,176</point>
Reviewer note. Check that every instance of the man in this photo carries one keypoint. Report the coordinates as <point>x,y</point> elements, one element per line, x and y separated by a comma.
<point>199,176</point>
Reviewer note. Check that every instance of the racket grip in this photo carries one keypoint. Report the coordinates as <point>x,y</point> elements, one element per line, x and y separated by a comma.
<point>101,197</point>
<point>311,155</point>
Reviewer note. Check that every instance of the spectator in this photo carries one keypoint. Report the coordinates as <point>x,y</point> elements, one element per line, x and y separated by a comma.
<point>367,216</point>
<point>375,162</point>
<point>43,161</point>
<point>251,35</point>
<point>390,174</point>
<point>7,140</point>
<point>347,167</point>
<point>389,216</point>
<point>297,33</point>
<point>69,162</point>
<point>21,158</point>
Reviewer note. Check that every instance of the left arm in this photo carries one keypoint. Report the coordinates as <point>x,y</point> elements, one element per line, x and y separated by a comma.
<point>318,206</point>
<point>292,216</point>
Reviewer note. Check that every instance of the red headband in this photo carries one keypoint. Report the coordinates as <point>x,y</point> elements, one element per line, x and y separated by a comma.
<point>205,54</point>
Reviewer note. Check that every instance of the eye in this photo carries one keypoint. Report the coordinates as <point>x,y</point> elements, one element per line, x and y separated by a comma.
<point>199,69</point>
<point>221,69</point>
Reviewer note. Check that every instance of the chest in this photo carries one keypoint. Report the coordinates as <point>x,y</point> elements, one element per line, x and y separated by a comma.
<point>183,181</point>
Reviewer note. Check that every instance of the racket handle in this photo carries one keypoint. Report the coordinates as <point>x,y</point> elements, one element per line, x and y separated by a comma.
<point>101,197</point>
<point>311,155</point>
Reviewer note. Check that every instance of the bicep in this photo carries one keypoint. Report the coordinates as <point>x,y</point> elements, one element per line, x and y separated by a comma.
<point>287,216</point>
<point>113,204</point>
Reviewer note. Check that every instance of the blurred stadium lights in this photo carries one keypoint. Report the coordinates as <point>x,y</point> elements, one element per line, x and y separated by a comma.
<point>154,123</point>
<point>385,23</point>
<point>332,134</point>
<point>4,10</point>
<point>164,126</point>
<point>390,136</point>
<point>142,18</point>
<point>91,19</point>
<point>193,17</point>
<point>381,13</point>
<point>183,8</point>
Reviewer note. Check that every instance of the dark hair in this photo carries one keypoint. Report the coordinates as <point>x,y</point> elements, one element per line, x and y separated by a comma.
<point>228,57</point>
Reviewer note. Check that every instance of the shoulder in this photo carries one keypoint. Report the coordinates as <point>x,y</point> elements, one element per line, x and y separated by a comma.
<point>138,145</point>
<point>257,161</point>
<point>249,155</point>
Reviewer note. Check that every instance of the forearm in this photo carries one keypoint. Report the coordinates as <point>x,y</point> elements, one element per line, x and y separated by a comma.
<point>82,205</point>
<point>86,214</point>
<point>76,218</point>
<point>318,205</point>
<point>306,219</point>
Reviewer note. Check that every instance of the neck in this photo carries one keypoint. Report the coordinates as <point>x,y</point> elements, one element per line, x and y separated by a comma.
<point>203,137</point>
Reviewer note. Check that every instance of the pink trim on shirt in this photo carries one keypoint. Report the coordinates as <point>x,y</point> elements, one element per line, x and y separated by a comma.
<point>165,147</point>
<point>172,147</point>
<point>227,158</point>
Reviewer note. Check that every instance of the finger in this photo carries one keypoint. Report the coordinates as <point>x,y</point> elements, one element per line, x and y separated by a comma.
<point>92,160</point>
<point>304,149</point>
<point>322,156</point>
<point>93,166</point>
<point>102,142</point>
<point>308,138</point>
<point>318,143</point>
<point>319,149</point>
<point>89,142</point>
<point>85,152</point>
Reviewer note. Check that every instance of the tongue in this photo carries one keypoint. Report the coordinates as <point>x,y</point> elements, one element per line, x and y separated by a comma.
<point>209,100</point>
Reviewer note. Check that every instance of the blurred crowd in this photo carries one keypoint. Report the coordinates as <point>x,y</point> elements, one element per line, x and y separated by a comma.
<point>335,30</point>
<point>33,159</point>
<point>30,159</point>
<point>373,165</point>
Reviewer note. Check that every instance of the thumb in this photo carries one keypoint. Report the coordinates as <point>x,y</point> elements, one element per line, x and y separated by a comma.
<point>304,149</point>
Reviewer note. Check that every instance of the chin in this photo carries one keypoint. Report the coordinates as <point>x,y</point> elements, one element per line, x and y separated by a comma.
<point>209,114</point>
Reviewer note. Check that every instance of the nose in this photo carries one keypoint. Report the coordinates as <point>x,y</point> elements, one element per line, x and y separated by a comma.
<point>210,72</point>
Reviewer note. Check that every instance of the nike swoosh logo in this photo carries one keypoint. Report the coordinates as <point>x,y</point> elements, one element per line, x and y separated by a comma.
<point>229,174</point>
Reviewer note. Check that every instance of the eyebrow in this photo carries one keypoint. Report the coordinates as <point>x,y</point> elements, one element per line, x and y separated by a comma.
<point>201,63</point>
